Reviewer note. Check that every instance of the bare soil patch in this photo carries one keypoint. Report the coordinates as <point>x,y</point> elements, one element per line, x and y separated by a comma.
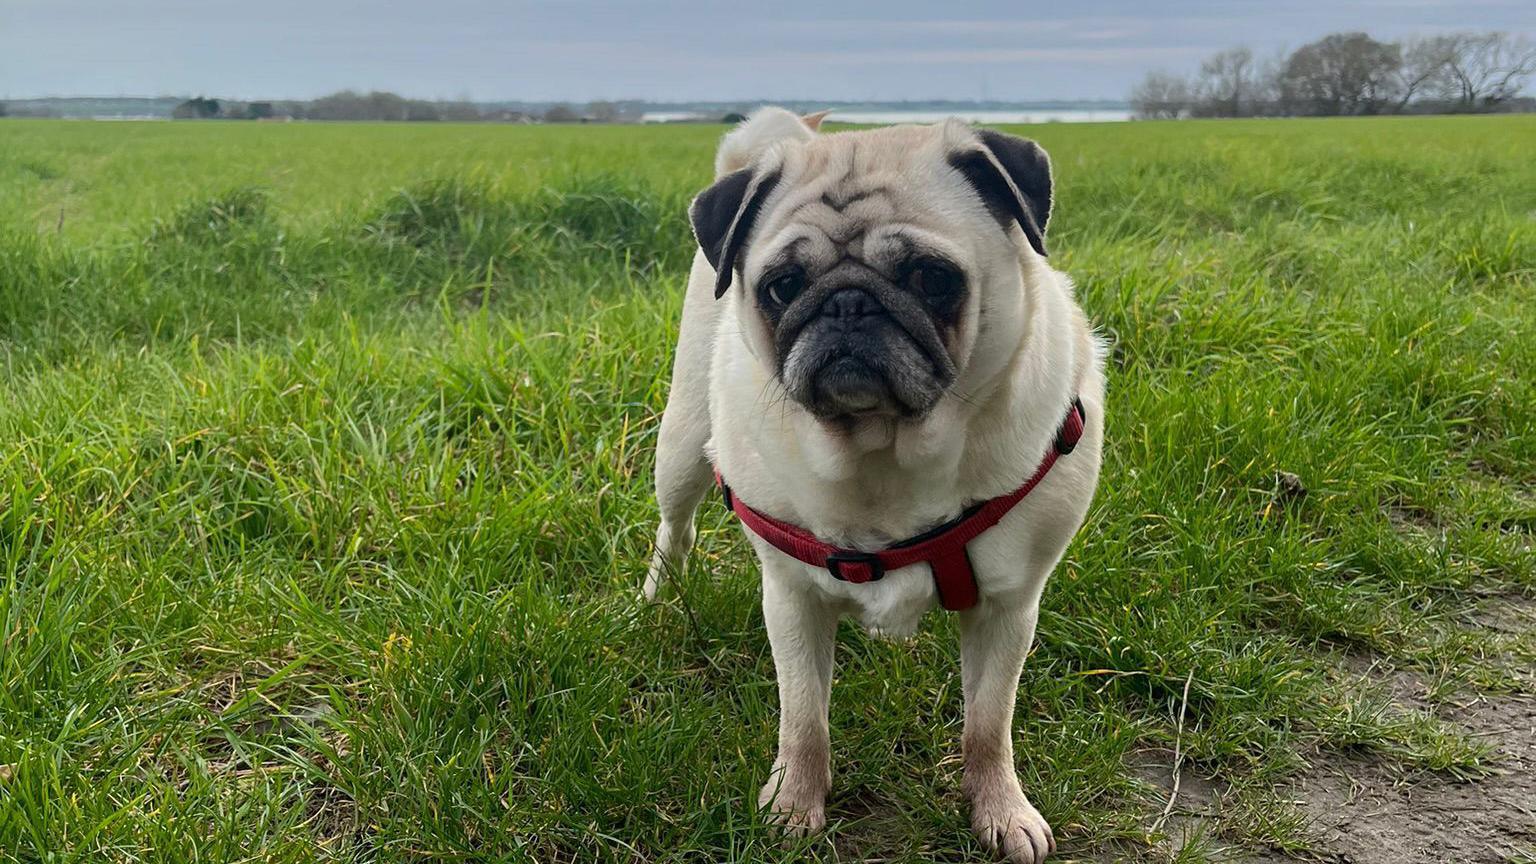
<point>1363,809</point>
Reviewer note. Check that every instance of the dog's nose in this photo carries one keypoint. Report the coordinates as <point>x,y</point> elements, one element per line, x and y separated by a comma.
<point>850,304</point>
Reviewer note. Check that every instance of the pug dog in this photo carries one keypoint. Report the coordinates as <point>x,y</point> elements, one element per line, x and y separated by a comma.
<point>873,346</point>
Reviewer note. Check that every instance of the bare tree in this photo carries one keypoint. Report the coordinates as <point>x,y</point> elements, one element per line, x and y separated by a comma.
<point>1226,82</point>
<point>1424,68</point>
<point>1265,95</point>
<point>1485,69</point>
<point>1161,96</point>
<point>1342,73</point>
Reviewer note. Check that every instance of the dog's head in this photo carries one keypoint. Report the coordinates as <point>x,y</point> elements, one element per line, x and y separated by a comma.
<point>875,269</point>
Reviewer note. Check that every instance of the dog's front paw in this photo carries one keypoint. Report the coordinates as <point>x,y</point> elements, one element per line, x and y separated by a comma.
<point>796,812</point>
<point>672,545</point>
<point>654,578</point>
<point>1008,825</point>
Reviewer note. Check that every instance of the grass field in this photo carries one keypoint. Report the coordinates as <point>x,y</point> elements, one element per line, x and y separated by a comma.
<point>325,499</point>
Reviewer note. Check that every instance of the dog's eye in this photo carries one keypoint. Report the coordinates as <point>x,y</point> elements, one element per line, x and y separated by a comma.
<point>935,281</point>
<point>782,289</point>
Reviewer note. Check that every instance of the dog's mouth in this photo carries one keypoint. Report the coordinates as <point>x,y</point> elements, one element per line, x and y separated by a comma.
<point>849,385</point>
<point>876,371</point>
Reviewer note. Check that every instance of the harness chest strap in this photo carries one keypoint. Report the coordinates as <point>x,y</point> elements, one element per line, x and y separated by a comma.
<point>943,548</point>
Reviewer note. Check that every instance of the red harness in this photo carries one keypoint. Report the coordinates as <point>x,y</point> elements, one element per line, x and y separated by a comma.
<point>941,548</point>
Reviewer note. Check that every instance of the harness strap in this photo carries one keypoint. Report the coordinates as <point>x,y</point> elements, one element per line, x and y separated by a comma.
<point>942,548</point>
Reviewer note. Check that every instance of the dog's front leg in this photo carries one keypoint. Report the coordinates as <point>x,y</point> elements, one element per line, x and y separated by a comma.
<point>802,630</point>
<point>994,639</point>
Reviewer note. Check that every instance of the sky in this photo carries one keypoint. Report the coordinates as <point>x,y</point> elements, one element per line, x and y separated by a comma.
<point>671,50</point>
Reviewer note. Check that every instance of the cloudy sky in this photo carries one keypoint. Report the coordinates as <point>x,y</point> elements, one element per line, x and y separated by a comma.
<point>668,49</point>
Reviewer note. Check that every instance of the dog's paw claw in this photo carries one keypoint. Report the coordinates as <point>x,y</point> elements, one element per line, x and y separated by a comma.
<point>1014,830</point>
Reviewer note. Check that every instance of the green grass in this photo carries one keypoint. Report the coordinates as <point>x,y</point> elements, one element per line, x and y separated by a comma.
<point>324,494</point>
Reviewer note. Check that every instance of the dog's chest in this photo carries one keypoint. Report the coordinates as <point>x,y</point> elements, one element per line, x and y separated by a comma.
<point>891,608</point>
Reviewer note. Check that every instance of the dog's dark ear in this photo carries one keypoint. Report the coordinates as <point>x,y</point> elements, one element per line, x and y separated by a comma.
<point>1013,175</point>
<point>723,216</point>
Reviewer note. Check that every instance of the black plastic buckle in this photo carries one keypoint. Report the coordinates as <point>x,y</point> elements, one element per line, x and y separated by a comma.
<point>836,560</point>
<point>728,498</point>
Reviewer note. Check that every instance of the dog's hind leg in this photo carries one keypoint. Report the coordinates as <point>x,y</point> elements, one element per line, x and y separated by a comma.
<point>683,474</point>
<point>683,478</point>
<point>994,639</point>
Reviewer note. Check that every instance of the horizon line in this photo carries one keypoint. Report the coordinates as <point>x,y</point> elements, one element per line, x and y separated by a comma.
<point>549,101</point>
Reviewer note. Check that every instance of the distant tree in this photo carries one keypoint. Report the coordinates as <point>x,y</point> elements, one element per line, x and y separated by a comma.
<point>560,114</point>
<point>259,110</point>
<point>1424,70</point>
<point>603,112</point>
<point>351,105</point>
<point>417,111</point>
<point>196,109</point>
<point>1351,73</point>
<point>1485,69</point>
<point>383,105</point>
<point>1160,96</point>
<point>1226,84</point>
<point>1342,73</point>
<point>462,111</point>
<point>336,106</point>
<point>1265,96</point>
<point>734,117</point>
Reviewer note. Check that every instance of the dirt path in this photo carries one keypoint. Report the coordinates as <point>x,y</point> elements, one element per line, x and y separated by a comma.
<point>1365,810</point>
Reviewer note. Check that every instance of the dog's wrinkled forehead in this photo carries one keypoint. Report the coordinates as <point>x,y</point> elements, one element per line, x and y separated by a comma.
<point>863,196</point>
<point>844,194</point>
